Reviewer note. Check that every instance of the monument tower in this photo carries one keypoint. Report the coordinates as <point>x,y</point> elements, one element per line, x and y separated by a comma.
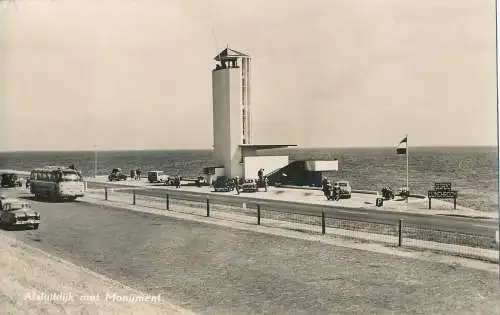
<point>231,109</point>
<point>234,149</point>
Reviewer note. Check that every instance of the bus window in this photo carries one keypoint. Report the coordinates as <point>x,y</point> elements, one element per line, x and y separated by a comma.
<point>70,176</point>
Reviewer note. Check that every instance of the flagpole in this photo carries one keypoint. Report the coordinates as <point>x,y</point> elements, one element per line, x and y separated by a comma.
<point>407,157</point>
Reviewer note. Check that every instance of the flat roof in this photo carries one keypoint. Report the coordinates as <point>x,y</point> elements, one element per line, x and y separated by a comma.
<point>266,146</point>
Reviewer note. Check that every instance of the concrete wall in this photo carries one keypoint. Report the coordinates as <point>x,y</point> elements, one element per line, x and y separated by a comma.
<point>227,121</point>
<point>318,165</point>
<point>219,171</point>
<point>268,163</point>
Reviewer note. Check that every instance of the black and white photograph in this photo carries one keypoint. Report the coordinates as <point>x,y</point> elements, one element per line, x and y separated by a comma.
<point>217,157</point>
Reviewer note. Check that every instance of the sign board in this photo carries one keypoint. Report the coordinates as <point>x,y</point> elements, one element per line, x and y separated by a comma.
<point>443,194</point>
<point>442,190</point>
<point>444,186</point>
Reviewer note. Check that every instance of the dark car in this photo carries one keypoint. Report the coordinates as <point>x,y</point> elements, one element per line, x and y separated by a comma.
<point>17,212</point>
<point>11,180</point>
<point>116,175</point>
<point>224,184</point>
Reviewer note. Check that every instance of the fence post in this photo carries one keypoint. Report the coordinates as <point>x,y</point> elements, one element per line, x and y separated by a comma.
<point>455,203</point>
<point>258,214</point>
<point>323,225</point>
<point>105,193</point>
<point>133,197</point>
<point>208,207</point>
<point>400,233</point>
<point>168,202</point>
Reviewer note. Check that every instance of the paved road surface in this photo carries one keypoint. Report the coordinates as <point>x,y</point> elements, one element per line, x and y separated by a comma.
<point>216,270</point>
<point>483,227</point>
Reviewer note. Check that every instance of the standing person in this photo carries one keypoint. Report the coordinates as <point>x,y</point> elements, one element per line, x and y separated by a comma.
<point>132,174</point>
<point>337,192</point>
<point>325,187</point>
<point>236,181</point>
<point>138,171</point>
<point>260,174</point>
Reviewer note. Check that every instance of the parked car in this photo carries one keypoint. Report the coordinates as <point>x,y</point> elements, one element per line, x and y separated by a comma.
<point>17,212</point>
<point>11,180</point>
<point>345,189</point>
<point>223,184</point>
<point>116,175</point>
<point>387,193</point>
<point>249,185</point>
<point>157,177</point>
<point>403,192</point>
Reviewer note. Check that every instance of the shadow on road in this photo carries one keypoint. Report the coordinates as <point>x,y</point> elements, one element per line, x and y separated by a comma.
<point>45,200</point>
<point>7,227</point>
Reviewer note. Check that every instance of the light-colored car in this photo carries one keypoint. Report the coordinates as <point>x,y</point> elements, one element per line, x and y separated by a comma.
<point>345,188</point>
<point>157,177</point>
<point>249,186</point>
<point>17,212</point>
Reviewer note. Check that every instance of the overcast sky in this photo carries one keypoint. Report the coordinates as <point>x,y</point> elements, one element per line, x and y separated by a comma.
<point>137,74</point>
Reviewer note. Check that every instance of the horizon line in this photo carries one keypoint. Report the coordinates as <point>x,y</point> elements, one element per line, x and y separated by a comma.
<point>211,149</point>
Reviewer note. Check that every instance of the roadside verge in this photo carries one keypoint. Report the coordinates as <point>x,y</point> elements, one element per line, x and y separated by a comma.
<point>34,282</point>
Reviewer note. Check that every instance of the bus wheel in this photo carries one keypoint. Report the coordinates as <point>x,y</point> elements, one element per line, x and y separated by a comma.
<point>35,226</point>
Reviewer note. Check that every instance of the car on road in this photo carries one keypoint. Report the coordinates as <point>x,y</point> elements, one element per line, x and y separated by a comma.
<point>117,175</point>
<point>18,212</point>
<point>11,180</point>
<point>249,185</point>
<point>223,184</point>
<point>157,177</point>
<point>345,188</point>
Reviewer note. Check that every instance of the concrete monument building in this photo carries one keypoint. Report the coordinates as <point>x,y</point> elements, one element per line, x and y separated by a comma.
<point>234,150</point>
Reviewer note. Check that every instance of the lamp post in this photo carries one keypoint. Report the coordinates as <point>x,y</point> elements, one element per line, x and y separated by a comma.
<point>95,161</point>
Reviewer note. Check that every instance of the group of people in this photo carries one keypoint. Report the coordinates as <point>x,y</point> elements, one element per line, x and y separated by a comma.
<point>135,174</point>
<point>176,181</point>
<point>330,192</point>
<point>262,181</point>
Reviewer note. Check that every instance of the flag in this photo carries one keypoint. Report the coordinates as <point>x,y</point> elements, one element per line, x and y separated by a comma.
<point>402,149</point>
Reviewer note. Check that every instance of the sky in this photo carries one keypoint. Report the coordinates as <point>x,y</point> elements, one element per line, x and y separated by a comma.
<point>129,74</point>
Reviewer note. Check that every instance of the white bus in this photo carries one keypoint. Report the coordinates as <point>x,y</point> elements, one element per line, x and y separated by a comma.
<point>56,183</point>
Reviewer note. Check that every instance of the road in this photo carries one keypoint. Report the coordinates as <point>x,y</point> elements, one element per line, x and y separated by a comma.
<point>481,227</point>
<point>217,270</point>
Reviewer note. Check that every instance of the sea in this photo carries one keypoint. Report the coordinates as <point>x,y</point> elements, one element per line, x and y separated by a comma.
<point>473,171</point>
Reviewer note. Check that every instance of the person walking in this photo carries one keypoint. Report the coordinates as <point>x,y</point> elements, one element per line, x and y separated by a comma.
<point>132,174</point>
<point>138,171</point>
<point>236,181</point>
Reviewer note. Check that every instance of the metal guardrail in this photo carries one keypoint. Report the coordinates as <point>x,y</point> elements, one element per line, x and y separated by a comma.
<point>400,232</point>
